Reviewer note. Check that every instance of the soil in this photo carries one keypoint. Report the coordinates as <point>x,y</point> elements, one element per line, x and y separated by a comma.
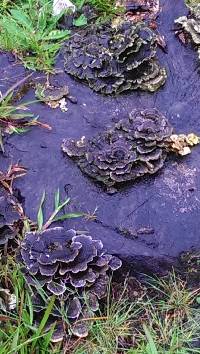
<point>167,203</point>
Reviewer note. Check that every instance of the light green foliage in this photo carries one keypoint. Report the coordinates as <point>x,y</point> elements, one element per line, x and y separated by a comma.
<point>80,21</point>
<point>30,30</point>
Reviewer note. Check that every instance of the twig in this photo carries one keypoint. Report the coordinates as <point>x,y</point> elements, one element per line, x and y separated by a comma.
<point>13,87</point>
<point>102,318</point>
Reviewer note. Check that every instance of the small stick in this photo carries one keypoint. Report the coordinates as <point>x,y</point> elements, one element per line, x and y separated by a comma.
<point>13,87</point>
<point>102,318</point>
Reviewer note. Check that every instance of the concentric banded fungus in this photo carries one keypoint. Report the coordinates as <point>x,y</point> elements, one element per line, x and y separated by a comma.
<point>132,148</point>
<point>7,217</point>
<point>191,25</point>
<point>115,59</point>
<point>66,264</point>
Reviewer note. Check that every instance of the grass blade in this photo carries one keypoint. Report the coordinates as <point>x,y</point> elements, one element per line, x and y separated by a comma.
<point>68,216</point>
<point>151,343</point>
<point>57,199</point>
<point>44,320</point>
<point>61,206</point>
<point>40,217</point>
<point>30,307</point>
<point>15,339</point>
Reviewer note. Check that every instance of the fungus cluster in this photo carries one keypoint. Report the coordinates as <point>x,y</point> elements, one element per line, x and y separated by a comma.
<point>72,267</point>
<point>114,59</point>
<point>8,217</point>
<point>134,147</point>
<point>191,25</point>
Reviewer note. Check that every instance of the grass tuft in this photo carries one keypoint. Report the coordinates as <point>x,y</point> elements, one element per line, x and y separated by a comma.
<point>29,30</point>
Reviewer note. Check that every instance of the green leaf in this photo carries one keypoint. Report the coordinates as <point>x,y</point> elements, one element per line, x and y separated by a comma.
<point>48,338</point>
<point>26,316</point>
<point>40,218</point>
<point>21,18</point>
<point>57,199</point>
<point>57,34</point>
<point>46,315</point>
<point>42,19</point>
<point>51,47</point>
<point>80,21</point>
<point>15,339</point>
<point>68,216</point>
<point>61,206</point>
<point>80,3</point>
<point>30,307</point>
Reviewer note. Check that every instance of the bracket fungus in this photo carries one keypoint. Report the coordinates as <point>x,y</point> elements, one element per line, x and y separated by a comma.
<point>191,25</point>
<point>70,266</point>
<point>113,59</point>
<point>134,147</point>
